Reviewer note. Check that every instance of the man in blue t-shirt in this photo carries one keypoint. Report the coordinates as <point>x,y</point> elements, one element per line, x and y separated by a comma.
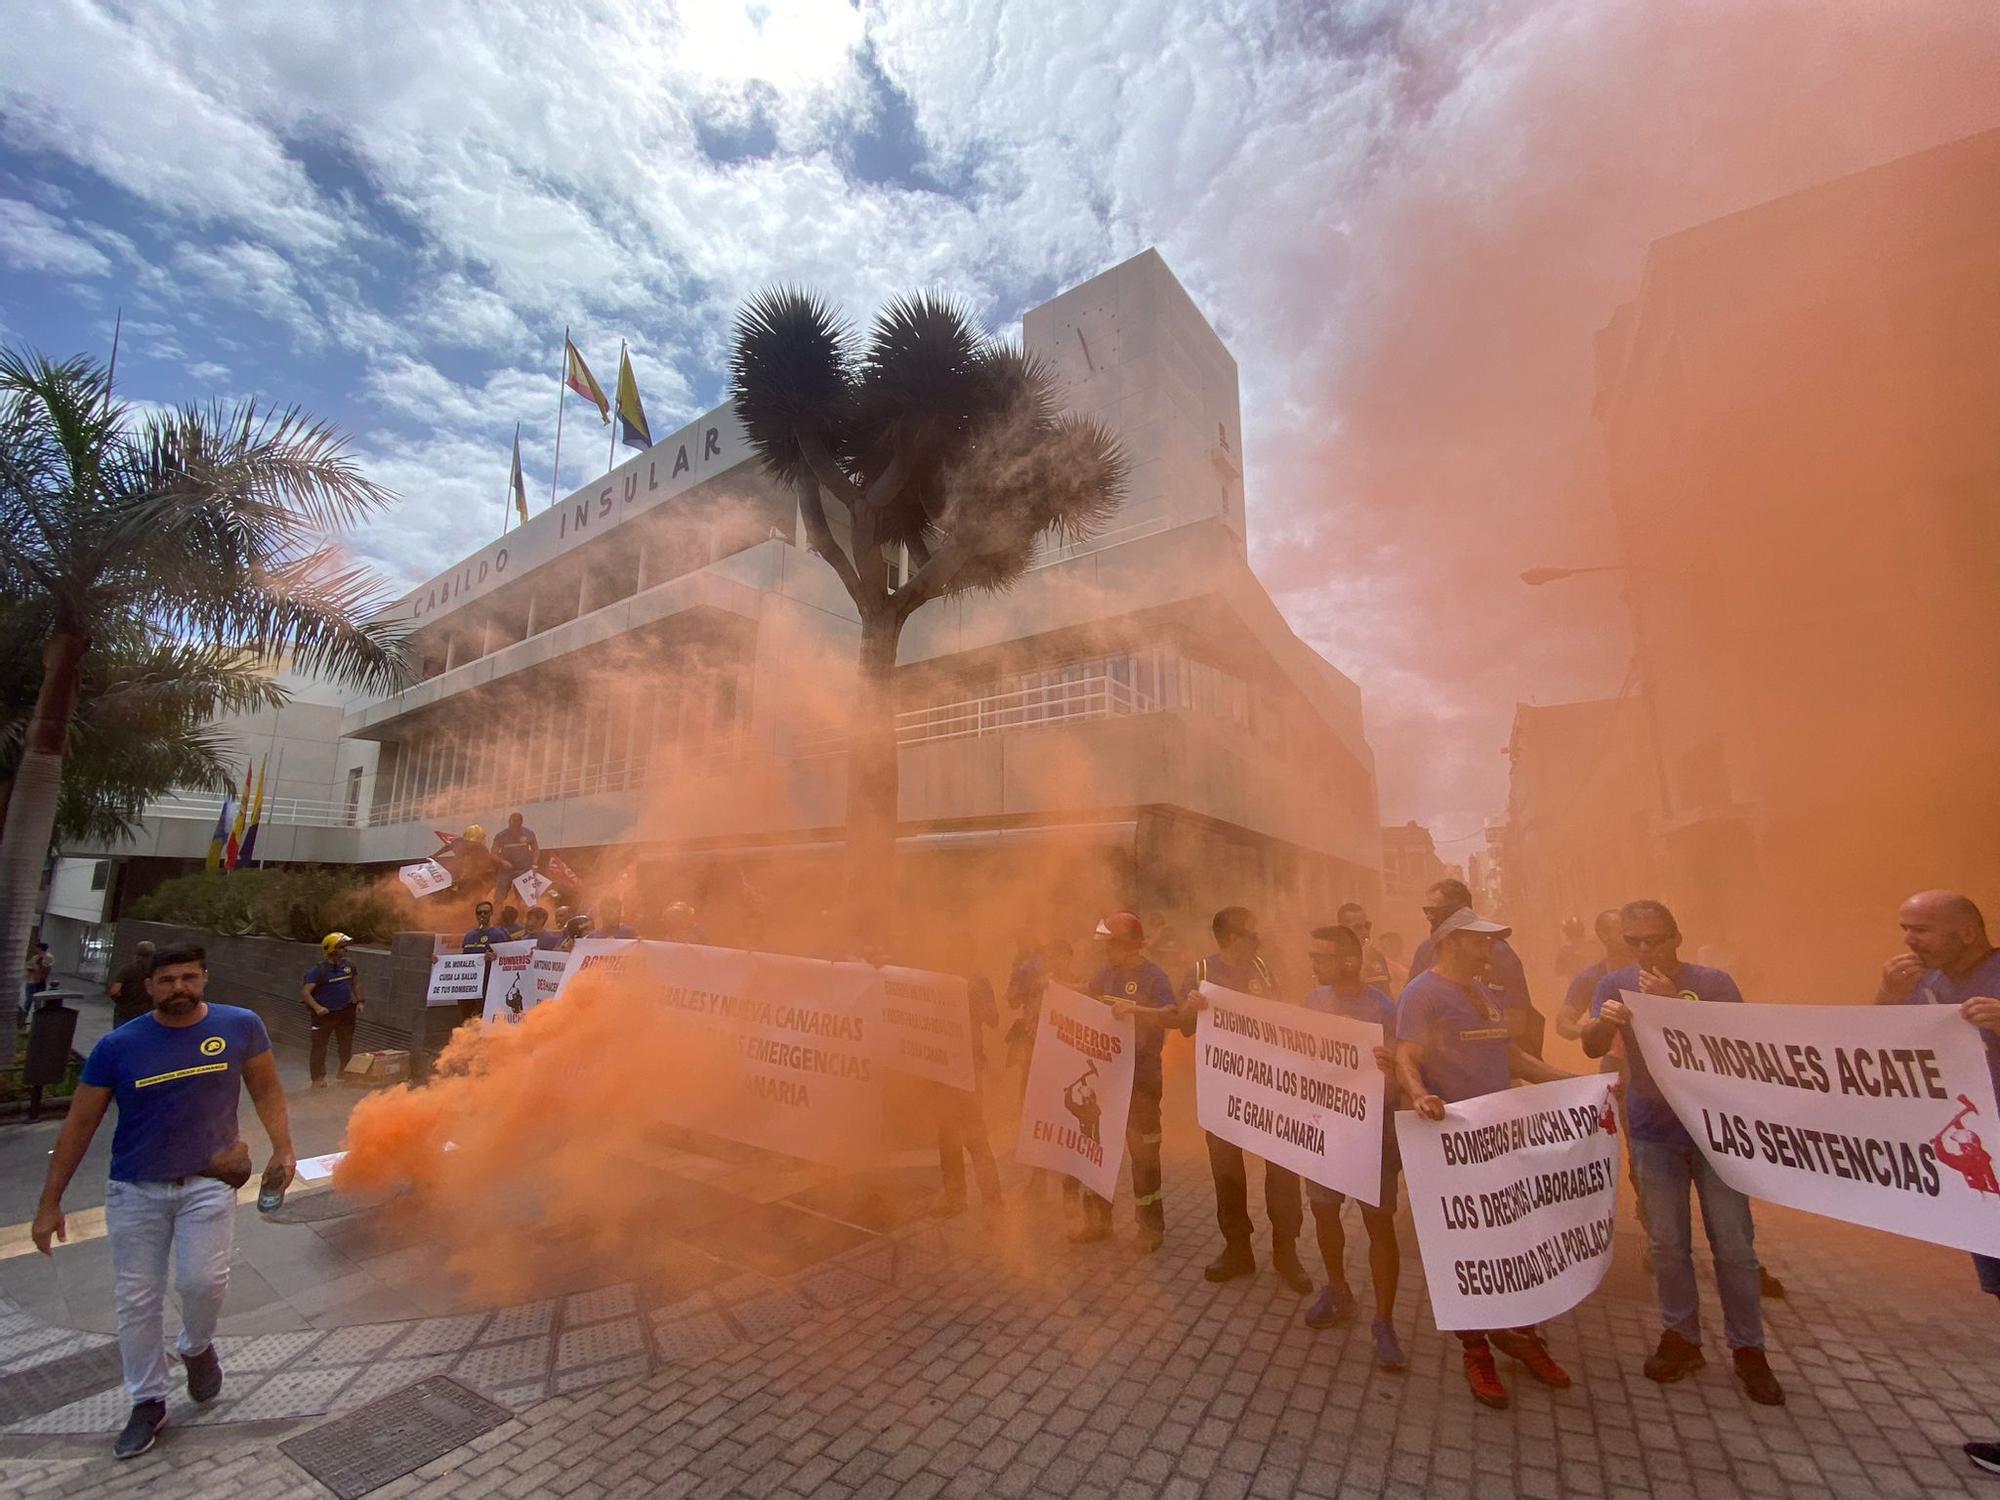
<point>1453,1043</point>
<point>177,1158</point>
<point>536,929</point>
<point>484,932</point>
<point>1951,961</point>
<point>332,992</point>
<point>1506,980</point>
<point>516,849</point>
<point>1338,960</point>
<point>1136,989</point>
<point>1236,965</point>
<point>611,923</point>
<point>1668,1164</point>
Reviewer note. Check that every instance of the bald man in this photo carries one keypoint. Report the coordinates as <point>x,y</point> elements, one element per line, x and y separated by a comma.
<point>1949,960</point>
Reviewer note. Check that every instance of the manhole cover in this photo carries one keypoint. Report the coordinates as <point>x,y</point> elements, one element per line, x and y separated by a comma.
<point>393,1435</point>
<point>29,1393</point>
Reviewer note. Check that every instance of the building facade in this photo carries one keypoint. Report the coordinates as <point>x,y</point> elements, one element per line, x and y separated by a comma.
<point>656,673</point>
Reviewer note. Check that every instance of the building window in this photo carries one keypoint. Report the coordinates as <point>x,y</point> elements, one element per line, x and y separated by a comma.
<point>100,875</point>
<point>353,795</point>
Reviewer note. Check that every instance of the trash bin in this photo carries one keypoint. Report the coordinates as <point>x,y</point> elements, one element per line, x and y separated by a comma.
<point>51,1031</point>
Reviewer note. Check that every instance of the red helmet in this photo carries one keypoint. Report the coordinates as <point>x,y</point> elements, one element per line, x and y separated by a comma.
<point>1122,927</point>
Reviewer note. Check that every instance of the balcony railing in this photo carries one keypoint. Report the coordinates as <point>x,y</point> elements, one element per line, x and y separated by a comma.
<point>1096,697</point>
<point>301,811</point>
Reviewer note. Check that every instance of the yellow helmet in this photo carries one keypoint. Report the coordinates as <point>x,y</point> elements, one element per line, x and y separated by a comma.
<point>475,833</point>
<point>332,941</point>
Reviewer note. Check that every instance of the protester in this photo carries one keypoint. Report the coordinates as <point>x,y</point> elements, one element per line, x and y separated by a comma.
<point>1027,982</point>
<point>1343,990</point>
<point>575,930</point>
<point>536,929</point>
<point>961,1113</point>
<point>39,967</point>
<point>1377,968</point>
<point>1454,1044</point>
<point>1949,960</point>
<point>127,989</point>
<point>1507,981</point>
<point>678,924</point>
<point>1236,965</point>
<point>1571,951</point>
<point>484,933</point>
<point>176,1162</point>
<point>1575,1012</point>
<point>515,849</point>
<point>510,918</point>
<point>1139,990</point>
<point>1667,1163</point>
<point>332,993</point>
<point>613,924</point>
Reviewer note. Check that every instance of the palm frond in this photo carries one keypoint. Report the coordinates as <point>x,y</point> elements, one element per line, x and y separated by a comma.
<point>790,375</point>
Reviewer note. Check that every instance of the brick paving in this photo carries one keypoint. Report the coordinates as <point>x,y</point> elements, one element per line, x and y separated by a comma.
<point>950,1361</point>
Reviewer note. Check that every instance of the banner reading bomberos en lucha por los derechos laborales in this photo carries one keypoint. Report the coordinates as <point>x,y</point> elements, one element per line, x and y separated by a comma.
<point>1079,1091</point>
<point>1294,1086</point>
<point>1514,1195</point>
<point>1879,1115</point>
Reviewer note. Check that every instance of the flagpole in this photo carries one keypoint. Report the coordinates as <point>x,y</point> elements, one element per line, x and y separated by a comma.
<point>611,458</point>
<point>561,383</point>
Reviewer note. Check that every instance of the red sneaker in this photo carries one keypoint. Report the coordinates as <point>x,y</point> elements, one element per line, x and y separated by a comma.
<point>1529,1350</point>
<point>1484,1378</point>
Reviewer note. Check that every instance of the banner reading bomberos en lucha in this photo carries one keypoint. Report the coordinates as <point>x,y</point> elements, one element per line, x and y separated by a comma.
<point>1294,1086</point>
<point>508,992</point>
<point>1874,1114</point>
<point>1514,1196</point>
<point>1079,1091</point>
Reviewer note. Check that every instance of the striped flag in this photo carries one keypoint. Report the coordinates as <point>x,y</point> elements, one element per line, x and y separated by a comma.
<point>577,376</point>
<point>516,483</point>
<point>218,839</point>
<point>256,815</point>
<point>234,852</point>
<point>632,429</point>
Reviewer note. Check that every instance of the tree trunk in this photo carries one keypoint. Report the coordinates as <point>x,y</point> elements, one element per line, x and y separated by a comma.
<point>31,818</point>
<point>872,779</point>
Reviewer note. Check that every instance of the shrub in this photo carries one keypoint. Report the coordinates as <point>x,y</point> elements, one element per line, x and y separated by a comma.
<point>302,905</point>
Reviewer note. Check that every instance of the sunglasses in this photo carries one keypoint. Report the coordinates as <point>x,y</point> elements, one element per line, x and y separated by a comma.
<point>1651,939</point>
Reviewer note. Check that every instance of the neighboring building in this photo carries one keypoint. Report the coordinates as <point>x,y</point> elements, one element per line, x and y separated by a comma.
<point>656,673</point>
<point>1802,417</point>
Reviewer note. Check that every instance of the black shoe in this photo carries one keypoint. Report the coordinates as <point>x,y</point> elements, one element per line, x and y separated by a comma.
<point>1769,1287</point>
<point>1984,1456</point>
<point>1675,1359</point>
<point>1285,1261</point>
<point>142,1428</point>
<point>204,1372</point>
<point>1229,1265</point>
<point>1759,1384</point>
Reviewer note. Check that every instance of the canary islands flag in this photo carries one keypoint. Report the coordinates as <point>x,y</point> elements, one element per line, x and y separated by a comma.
<point>577,376</point>
<point>249,849</point>
<point>218,839</point>
<point>632,429</point>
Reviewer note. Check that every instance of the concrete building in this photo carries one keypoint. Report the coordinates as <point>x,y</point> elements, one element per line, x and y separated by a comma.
<point>1804,464</point>
<point>655,672</point>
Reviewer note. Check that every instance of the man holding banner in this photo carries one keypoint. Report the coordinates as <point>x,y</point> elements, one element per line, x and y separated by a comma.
<point>1454,1044</point>
<point>1667,1164</point>
<point>1137,990</point>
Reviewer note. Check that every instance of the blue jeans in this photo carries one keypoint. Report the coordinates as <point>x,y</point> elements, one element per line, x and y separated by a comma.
<point>1665,1173</point>
<point>196,1221</point>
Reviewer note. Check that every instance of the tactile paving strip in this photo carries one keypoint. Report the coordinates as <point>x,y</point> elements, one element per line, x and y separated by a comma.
<point>441,1336</point>
<point>520,1322</point>
<point>606,1302</point>
<point>56,1383</point>
<point>598,1342</point>
<point>772,1313</point>
<point>393,1435</point>
<point>687,1340</point>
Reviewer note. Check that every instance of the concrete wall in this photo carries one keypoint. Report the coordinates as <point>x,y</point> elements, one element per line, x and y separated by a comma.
<point>265,975</point>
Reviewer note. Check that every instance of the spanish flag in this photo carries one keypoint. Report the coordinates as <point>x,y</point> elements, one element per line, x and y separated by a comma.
<point>256,813</point>
<point>516,482</point>
<point>577,376</point>
<point>234,850</point>
<point>632,429</point>
<point>218,839</point>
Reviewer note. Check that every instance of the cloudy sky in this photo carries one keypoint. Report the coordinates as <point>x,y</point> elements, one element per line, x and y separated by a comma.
<point>1406,219</point>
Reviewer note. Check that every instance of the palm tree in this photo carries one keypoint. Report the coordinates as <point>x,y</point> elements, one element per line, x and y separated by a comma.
<point>210,524</point>
<point>927,437</point>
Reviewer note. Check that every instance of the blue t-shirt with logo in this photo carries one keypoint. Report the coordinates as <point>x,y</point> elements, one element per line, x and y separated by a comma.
<point>622,930</point>
<point>1462,1032</point>
<point>515,848</point>
<point>481,940</point>
<point>1369,1004</point>
<point>176,1087</point>
<point>1648,1116</point>
<point>335,984</point>
<point>1507,984</point>
<point>1938,988</point>
<point>1253,978</point>
<point>1146,985</point>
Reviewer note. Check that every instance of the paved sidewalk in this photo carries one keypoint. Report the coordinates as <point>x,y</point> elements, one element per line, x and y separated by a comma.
<point>945,1360</point>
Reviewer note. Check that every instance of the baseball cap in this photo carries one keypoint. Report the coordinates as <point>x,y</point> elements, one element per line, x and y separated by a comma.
<point>1463,920</point>
<point>1123,927</point>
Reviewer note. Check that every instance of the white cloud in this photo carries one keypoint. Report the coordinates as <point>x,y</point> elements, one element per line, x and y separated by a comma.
<point>34,240</point>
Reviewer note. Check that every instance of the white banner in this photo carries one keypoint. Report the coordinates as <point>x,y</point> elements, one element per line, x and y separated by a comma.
<point>1872,1114</point>
<point>1514,1196</point>
<point>783,1050</point>
<point>593,953</point>
<point>425,878</point>
<point>1294,1086</point>
<point>1079,1091</point>
<point>927,1025</point>
<point>538,984</point>
<point>508,976</point>
<point>456,977</point>
<point>531,886</point>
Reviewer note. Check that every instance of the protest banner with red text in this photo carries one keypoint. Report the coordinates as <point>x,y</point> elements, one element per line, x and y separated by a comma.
<point>1079,1091</point>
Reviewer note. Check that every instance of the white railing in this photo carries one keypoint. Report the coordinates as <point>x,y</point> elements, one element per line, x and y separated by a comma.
<point>305,811</point>
<point>1096,697</point>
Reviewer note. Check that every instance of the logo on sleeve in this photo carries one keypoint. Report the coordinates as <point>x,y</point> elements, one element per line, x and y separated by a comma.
<point>212,1046</point>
